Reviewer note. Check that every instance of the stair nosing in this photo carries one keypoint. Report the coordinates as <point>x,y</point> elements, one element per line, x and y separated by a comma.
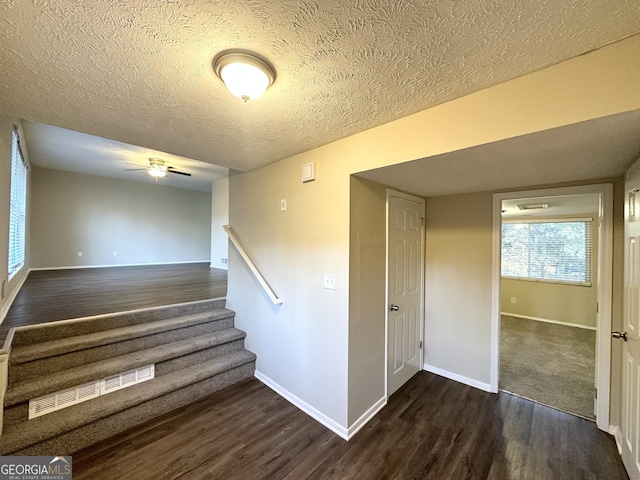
<point>120,400</point>
<point>81,374</point>
<point>37,351</point>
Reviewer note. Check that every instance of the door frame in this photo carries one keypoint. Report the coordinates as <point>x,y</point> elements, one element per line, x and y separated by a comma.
<point>604,293</point>
<point>422,201</point>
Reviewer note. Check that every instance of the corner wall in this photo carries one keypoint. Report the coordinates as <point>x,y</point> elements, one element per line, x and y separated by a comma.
<point>219,218</point>
<point>367,291</point>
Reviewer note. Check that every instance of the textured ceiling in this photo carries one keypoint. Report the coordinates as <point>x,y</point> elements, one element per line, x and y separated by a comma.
<point>70,151</point>
<point>140,72</point>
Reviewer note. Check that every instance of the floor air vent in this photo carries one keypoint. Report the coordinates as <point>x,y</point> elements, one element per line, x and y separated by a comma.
<point>72,396</point>
<point>126,379</point>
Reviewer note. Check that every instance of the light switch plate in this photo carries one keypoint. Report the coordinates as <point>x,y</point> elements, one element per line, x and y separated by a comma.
<point>330,281</point>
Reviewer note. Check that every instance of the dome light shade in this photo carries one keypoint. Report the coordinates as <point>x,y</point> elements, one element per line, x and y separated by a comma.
<point>244,74</point>
<point>157,168</point>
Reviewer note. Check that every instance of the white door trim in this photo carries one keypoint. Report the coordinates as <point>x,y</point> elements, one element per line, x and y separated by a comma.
<point>604,281</point>
<point>412,198</point>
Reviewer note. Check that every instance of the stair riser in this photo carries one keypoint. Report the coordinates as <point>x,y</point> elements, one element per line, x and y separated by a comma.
<point>46,366</point>
<point>20,412</point>
<point>66,329</point>
<point>72,441</point>
<point>16,414</point>
<point>201,356</point>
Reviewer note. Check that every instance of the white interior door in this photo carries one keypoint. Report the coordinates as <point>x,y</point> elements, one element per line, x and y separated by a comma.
<point>630,428</point>
<point>405,257</point>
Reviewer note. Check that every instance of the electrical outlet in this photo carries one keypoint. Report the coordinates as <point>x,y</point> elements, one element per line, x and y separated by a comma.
<point>330,281</point>
<point>79,253</point>
<point>115,253</point>
<point>513,299</point>
<point>224,261</point>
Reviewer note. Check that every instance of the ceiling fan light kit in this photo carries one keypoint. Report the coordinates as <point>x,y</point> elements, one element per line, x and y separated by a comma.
<point>245,74</point>
<point>155,172</point>
<point>158,168</point>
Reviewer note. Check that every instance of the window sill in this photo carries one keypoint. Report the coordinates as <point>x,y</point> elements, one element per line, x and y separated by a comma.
<point>15,272</point>
<point>544,280</point>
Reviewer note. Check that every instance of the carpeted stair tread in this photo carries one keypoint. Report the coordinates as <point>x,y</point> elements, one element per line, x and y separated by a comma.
<point>39,429</point>
<point>27,390</point>
<point>51,348</point>
<point>21,372</point>
<point>81,326</point>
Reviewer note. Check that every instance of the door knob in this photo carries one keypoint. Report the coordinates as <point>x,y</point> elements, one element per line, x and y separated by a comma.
<point>394,308</point>
<point>622,335</point>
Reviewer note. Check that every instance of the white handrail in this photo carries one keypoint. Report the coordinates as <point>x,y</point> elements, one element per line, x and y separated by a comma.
<point>251,265</point>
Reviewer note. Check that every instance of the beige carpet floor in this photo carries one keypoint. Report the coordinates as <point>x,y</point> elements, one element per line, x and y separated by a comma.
<point>548,363</point>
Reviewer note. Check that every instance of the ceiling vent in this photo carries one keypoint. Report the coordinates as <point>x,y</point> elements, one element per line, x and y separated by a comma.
<point>532,206</point>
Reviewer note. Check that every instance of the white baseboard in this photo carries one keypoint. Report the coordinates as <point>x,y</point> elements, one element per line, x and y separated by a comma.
<point>458,378</point>
<point>7,305</point>
<point>78,267</point>
<point>304,406</point>
<point>365,417</point>
<point>546,320</point>
<point>615,431</point>
<point>221,267</point>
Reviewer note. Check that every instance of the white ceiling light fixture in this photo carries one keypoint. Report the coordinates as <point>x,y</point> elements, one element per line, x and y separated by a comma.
<point>157,168</point>
<point>245,74</point>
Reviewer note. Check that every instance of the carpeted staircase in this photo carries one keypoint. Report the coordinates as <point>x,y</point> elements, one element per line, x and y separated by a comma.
<point>194,348</point>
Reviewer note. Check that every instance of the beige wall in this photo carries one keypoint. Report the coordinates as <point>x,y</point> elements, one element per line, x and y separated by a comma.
<point>9,288</point>
<point>458,285</point>
<point>143,223</point>
<point>573,304</point>
<point>303,345</point>
<point>219,217</point>
<point>367,289</point>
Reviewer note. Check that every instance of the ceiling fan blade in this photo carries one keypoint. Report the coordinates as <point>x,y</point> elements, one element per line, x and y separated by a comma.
<point>179,173</point>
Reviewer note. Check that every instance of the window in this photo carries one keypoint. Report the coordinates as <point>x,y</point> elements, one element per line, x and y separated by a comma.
<point>554,251</point>
<point>17,212</point>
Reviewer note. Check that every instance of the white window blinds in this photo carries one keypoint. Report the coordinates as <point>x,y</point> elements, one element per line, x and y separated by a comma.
<point>558,251</point>
<point>18,207</point>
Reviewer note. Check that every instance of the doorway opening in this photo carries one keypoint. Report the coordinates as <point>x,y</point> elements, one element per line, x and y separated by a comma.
<point>548,300</point>
<point>552,298</point>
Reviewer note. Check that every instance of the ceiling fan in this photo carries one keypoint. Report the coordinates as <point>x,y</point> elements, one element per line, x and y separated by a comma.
<point>158,168</point>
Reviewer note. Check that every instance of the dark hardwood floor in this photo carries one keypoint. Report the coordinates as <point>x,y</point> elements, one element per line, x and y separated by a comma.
<point>52,295</point>
<point>432,428</point>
